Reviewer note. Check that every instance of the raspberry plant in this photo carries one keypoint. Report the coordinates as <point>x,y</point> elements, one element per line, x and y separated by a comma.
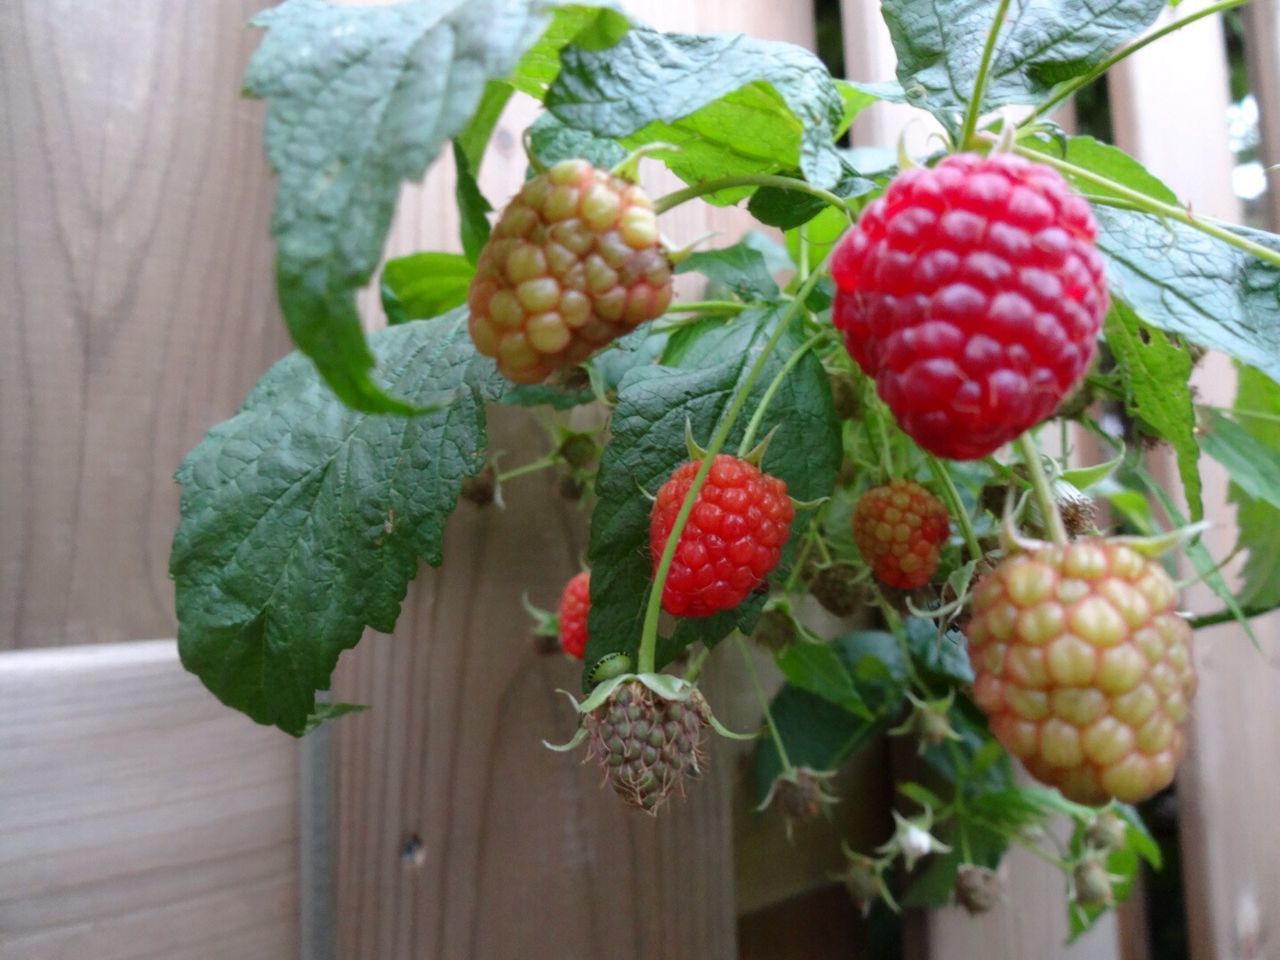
<point>916,309</point>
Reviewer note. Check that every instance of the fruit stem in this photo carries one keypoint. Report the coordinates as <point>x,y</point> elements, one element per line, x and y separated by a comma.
<point>550,460</point>
<point>1076,83</point>
<point>758,416</point>
<point>1224,616</point>
<point>707,306</point>
<point>895,625</point>
<point>695,664</point>
<point>886,450</point>
<point>956,505</point>
<point>980,81</point>
<point>663,204</point>
<point>764,703</point>
<point>1151,205</point>
<point>1020,840</point>
<point>649,632</point>
<point>1041,489</point>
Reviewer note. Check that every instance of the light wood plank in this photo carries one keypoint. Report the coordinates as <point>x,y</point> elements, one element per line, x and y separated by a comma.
<point>141,818</point>
<point>139,304</point>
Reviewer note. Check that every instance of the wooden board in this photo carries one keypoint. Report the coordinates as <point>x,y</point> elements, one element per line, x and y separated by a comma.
<point>139,818</point>
<point>138,301</point>
<point>1174,120</point>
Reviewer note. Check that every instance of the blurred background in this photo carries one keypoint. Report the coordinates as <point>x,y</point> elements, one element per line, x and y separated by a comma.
<point>141,819</point>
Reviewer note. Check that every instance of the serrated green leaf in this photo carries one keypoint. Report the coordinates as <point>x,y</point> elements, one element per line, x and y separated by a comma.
<point>731,103</point>
<point>473,208</point>
<point>648,443</point>
<point>1107,161</point>
<point>424,285</point>
<point>302,521</point>
<point>551,141</point>
<point>943,656</point>
<point>817,667</point>
<point>1257,408</point>
<point>741,268</point>
<point>1253,466</point>
<point>1156,373</point>
<point>331,711</point>
<point>939,45</point>
<point>1182,281</point>
<point>1137,837</point>
<point>788,209</point>
<point>640,348</point>
<point>360,99</point>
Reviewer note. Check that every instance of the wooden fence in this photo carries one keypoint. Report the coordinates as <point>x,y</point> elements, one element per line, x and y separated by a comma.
<point>139,818</point>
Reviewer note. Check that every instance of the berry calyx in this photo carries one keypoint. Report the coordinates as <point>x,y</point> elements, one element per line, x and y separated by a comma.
<point>732,540</point>
<point>899,529</point>
<point>972,293</point>
<point>574,262</point>
<point>575,603</point>
<point>1083,668</point>
<point>800,794</point>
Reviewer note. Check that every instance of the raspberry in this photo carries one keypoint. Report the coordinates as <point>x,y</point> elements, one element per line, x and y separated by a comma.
<point>972,293</point>
<point>575,601</point>
<point>645,743</point>
<point>898,529</point>
<point>838,589</point>
<point>733,537</point>
<point>1083,669</point>
<point>574,262</point>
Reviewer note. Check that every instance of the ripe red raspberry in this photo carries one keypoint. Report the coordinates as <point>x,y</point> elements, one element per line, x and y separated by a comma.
<point>1083,668</point>
<point>574,262</point>
<point>733,537</point>
<point>972,293</point>
<point>575,602</point>
<point>899,529</point>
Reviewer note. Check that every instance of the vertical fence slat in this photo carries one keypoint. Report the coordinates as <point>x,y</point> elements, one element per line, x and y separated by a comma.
<point>1169,104</point>
<point>1262,52</point>
<point>459,835</point>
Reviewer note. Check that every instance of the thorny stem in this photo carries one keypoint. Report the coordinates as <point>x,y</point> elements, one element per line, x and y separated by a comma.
<point>1075,84</point>
<point>674,199</point>
<point>533,466</point>
<point>1153,206</point>
<point>956,507</point>
<point>764,703</point>
<point>649,633</point>
<point>980,81</point>
<point>1041,490</point>
<point>758,416</point>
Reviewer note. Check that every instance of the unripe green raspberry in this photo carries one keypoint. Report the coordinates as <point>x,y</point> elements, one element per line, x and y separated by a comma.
<point>1083,668</point>
<point>574,262</point>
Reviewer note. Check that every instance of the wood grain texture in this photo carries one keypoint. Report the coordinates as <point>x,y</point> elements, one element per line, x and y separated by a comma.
<point>138,301</point>
<point>139,818</point>
<point>459,835</point>
<point>1174,120</point>
<point>1262,55</point>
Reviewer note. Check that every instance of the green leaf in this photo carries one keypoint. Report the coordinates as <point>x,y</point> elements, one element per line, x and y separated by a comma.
<point>1253,466</point>
<point>360,99</point>
<point>817,734</point>
<point>788,209</point>
<point>303,521</point>
<point>648,443</point>
<point>817,667</point>
<point>551,141</point>
<point>1106,160</point>
<point>424,285</point>
<point>1183,281</point>
<point>1257,406</point>
<point>939,45</point>
<point>944,656</point>
<point>1082,478</point>
<point>640,348</point>
<point>731,103</point>
<point>473,208</point>
<point>741,268</point>
<point>1156,373</point>
<point>331,711</point>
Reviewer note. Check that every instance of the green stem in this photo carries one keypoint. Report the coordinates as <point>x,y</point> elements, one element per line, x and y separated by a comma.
<point>764,703</point>
<point>550,460</point>
<point>980,81</point>
<point>758,416</point>
<point>894,623</point>
<point>956,506</point>
<point>1021,841</point>
<point>1076,83</point>
<point>1041,490</point>
<point>886,451</point>
<point>707,306</point>
<point>649,633</point>
<point>695,664</point>
<point>1224,616</point>
<point>663,204</point>
<point>1153,206</point>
